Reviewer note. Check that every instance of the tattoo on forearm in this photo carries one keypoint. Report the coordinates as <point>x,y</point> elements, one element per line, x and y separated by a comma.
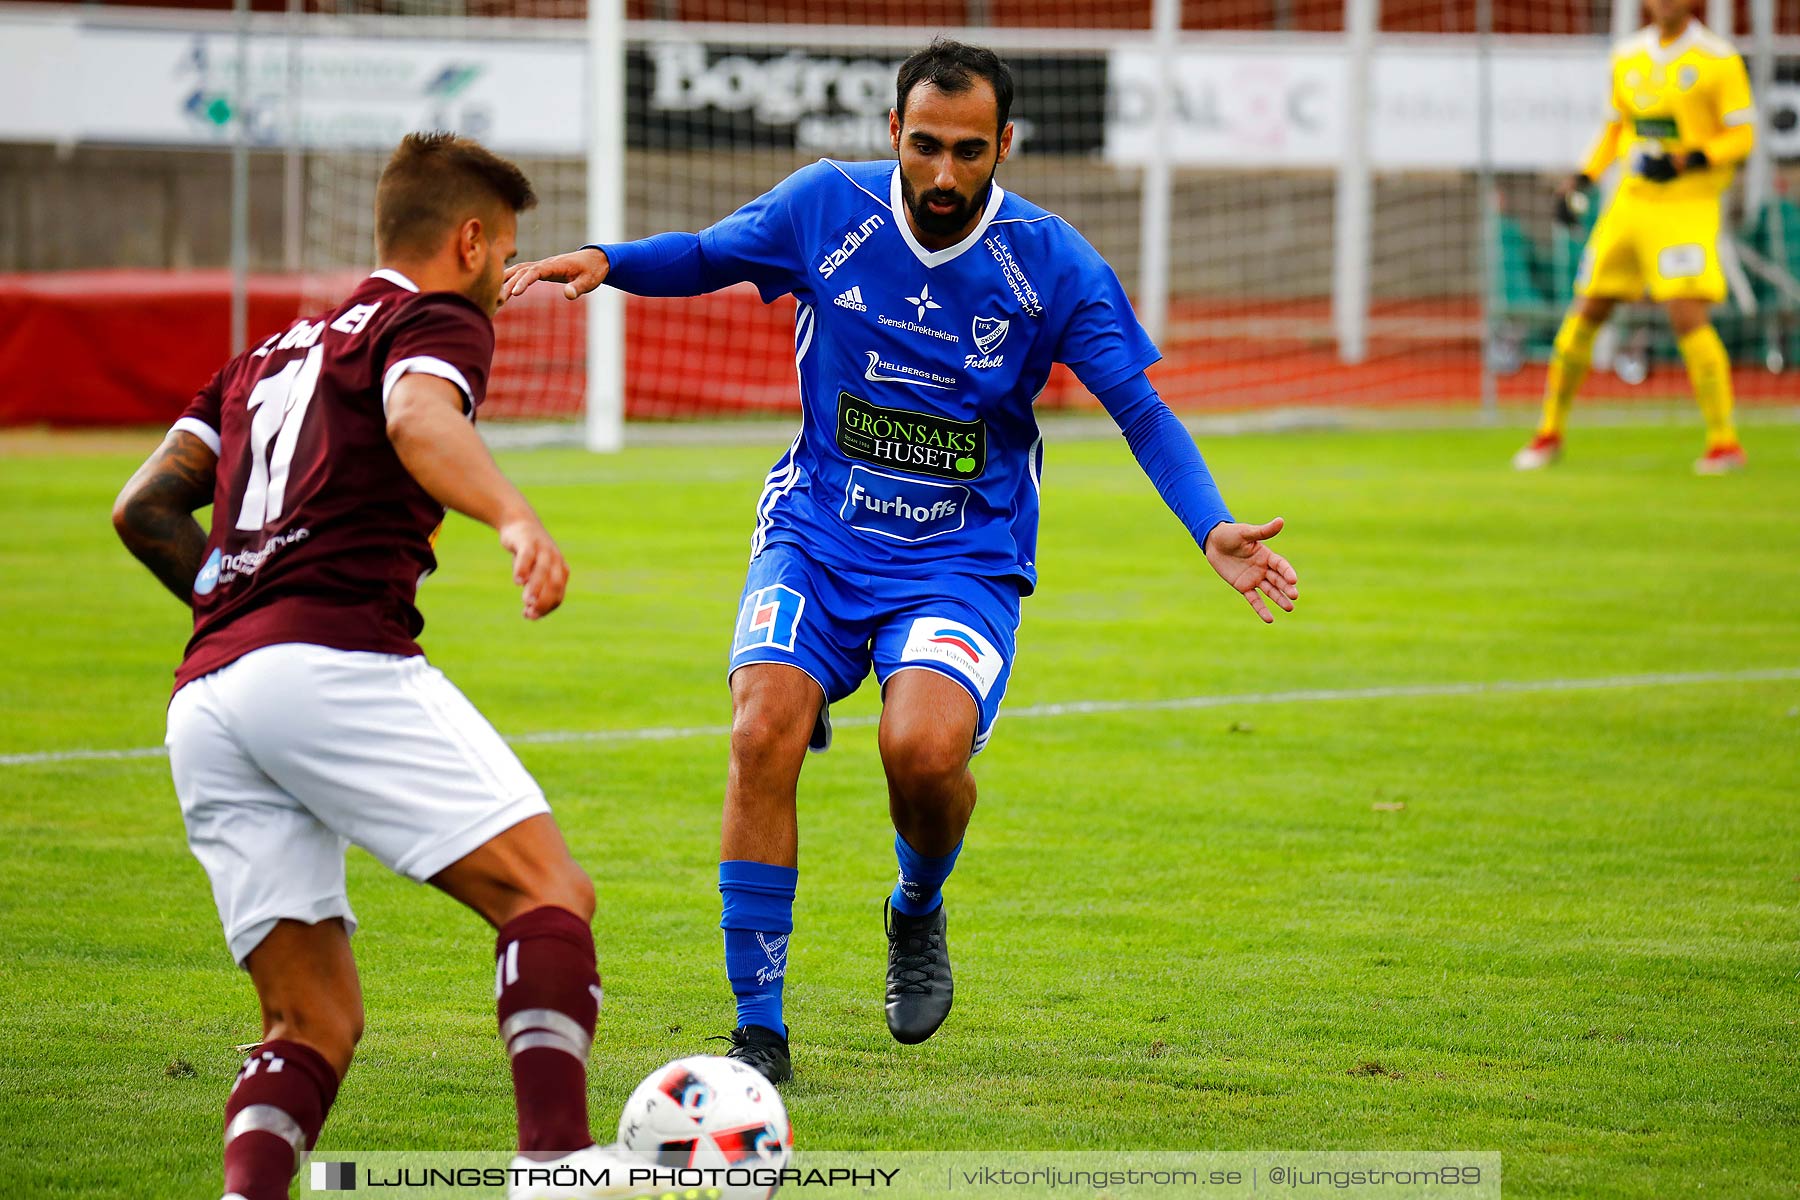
<point>155,512</point>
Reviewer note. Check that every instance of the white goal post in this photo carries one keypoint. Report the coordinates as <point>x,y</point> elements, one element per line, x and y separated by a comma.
<point>604,421</point>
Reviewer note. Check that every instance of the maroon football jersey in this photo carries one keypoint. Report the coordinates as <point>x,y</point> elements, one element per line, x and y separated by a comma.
<point>319,534</point>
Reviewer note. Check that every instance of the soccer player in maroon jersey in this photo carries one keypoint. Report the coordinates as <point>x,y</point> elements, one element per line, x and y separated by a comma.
<point>305,716</point>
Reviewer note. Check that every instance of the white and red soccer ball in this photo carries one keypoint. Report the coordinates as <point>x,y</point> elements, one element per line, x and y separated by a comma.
<point>713,1114</point>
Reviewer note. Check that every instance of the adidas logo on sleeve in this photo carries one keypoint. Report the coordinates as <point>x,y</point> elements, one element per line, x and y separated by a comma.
<point>852,300</point>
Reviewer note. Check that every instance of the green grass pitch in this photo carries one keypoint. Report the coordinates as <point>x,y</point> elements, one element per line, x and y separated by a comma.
<point>1560,924</point>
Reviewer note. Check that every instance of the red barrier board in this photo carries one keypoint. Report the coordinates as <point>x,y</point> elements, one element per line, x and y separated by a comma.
<point>120,347</point>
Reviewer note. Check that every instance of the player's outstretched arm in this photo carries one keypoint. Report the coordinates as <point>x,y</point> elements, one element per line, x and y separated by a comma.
<point>154,514</point>
<point>579,271</point>
<point>439,447</point>
<point>667,264</point>
<point>1241,556</point>
<point>1166,451</point>
<point>755,244</point>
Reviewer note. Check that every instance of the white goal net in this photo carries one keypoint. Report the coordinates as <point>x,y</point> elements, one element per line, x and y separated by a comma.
<point>1313,202</point>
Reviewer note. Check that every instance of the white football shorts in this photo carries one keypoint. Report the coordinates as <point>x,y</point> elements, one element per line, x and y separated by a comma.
<point>289,755</point>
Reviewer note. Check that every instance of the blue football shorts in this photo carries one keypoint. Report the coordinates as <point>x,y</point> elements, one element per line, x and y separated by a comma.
<point>835,624</point>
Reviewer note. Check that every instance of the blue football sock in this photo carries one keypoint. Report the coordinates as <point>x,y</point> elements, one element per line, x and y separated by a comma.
<point>921,885</point>
<point>758,918</point>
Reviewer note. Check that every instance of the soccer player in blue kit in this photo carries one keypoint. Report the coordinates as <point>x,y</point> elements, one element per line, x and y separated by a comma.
<point>899,529</point>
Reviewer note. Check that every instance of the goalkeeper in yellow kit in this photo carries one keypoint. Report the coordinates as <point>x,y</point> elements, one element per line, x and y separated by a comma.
<point>1681,120</point>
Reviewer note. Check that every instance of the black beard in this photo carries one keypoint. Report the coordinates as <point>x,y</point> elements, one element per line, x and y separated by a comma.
<point>943,224</point>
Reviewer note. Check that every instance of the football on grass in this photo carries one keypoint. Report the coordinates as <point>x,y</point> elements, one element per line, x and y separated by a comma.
<point>714,1114</point>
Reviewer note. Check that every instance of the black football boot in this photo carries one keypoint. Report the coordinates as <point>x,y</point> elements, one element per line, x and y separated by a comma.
<point>763,1049</point>
<point>918,975</point>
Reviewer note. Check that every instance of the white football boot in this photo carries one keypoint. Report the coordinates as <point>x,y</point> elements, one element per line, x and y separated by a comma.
<point>1540,452</point>
<point>1720,460</point>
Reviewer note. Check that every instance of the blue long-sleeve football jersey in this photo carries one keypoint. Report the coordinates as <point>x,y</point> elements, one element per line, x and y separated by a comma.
<point>919,450</point>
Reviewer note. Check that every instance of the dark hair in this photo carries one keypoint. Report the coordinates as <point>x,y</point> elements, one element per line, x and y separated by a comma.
<point>952,68</point>
<point>436,181</point>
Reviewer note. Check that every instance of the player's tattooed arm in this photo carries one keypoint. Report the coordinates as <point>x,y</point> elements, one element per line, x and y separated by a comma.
<point>154,514</point>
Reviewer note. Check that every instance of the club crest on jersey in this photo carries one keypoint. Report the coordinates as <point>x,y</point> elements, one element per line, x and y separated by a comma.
<point>990,332</point>
<point>770,617</point>
<point>952,644</point>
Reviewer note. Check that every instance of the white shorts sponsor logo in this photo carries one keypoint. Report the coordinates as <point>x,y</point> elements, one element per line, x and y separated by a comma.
<point>953,644</point>
<point>1681,262</point>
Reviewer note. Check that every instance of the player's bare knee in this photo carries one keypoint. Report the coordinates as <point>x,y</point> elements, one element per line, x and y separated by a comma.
<point>924,763</point>
<point>768,735</point>
<point>777,692</point>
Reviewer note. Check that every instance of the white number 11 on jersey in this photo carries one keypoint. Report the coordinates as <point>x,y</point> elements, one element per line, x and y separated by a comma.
<point>277,407</point>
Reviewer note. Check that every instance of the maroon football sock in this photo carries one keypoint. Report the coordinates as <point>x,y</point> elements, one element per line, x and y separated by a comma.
<point>549,999</point>
<point>274,1115</point>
